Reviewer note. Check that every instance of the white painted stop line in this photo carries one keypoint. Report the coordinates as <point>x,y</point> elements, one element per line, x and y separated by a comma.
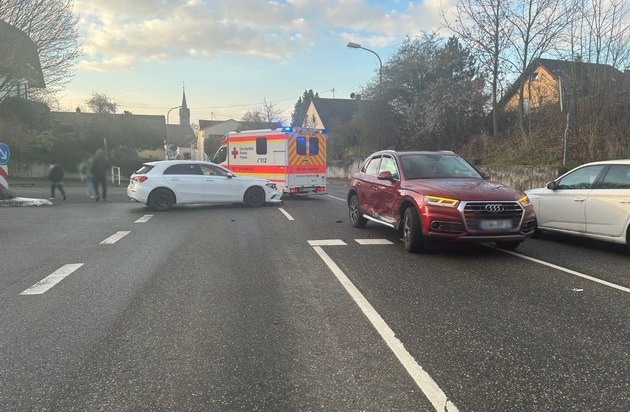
<point>115,237</point>
<point>52,279</point>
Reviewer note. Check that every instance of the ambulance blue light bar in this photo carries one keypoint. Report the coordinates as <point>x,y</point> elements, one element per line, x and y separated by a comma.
<point>287,129</point>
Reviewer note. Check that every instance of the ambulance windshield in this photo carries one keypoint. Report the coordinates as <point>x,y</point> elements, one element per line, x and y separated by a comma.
<point>221,155</point>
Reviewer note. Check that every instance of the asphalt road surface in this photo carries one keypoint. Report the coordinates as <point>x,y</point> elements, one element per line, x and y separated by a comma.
<point>109,306</point>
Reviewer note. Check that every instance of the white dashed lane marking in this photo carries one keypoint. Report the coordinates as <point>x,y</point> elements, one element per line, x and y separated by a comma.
<point>144,218</point>
<point>115,237</point>
<point>284,212</point>
<point>52,279</point>
<point>373,242</point>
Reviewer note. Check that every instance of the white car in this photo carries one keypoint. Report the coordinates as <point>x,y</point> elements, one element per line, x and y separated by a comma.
<point>163,184</point>
<point>592,200</point>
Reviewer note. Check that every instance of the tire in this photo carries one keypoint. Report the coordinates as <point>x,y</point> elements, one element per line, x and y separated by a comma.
<point>413,239</point>
<point>254,196</point>
<point>354,212</point>
<point>161,199</point>
<point>508,245</point>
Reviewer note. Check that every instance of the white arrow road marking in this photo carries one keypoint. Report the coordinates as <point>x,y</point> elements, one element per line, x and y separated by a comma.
<point>52,279</point>
<point>144,219</point>
<point>115,237</point>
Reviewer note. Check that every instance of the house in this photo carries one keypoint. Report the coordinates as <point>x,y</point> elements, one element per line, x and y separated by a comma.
<point>549,81</point>
<point>216,129</point>
<point>20,68</point>
<point>330,114</point>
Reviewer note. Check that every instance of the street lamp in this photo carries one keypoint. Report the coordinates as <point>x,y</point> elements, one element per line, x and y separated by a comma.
<point>380,87</point>
<point>167,123</point>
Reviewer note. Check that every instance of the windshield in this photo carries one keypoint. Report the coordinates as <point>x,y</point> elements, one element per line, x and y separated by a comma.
<point>437,166</point>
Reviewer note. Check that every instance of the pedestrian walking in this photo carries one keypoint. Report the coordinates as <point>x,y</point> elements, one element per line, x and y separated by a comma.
<point>85,171</point>
<point>100,166</point>
<point>56,177</point>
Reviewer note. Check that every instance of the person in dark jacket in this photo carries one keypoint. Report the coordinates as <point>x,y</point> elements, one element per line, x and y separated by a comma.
<point>56,177</point>
<point>100,166</point>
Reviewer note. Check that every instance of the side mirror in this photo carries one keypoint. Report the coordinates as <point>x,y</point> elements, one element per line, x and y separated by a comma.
<point>552,185</point>
<point>485,175</point>
<point>229,175</point>
<point>386,175</point>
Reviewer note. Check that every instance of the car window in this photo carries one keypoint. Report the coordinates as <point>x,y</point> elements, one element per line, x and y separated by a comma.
<point>372,167</point>
<point>221,155</point>
<point>617,177</point>
<point>213,170</point>
<point>144,169</point>
<point>388,164</point>
<point>183,169</point>
<point>582,178</point>
<point>437,165</point>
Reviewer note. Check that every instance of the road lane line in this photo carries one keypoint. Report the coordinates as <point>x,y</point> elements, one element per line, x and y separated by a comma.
<point>327,242</point>
<point>144,219</point>
<point>424,381</point>
<point>284,212</point>
<point>373,242</point>
<point>115,237</point>
<point>52,279</point>
<point>566,270</point>
<point>335,197</point>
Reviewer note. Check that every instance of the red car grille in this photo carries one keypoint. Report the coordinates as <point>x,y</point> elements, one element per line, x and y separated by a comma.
<point>476,212</point>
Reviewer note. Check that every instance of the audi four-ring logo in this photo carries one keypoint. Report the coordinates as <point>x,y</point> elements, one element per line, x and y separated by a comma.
<point>494,208</point>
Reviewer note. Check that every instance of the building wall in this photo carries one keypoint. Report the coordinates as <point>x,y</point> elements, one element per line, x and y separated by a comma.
<point>312,118</point>
<point>538,92</point>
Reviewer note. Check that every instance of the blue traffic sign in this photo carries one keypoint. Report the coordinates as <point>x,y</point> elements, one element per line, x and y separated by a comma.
<point>5,153</point>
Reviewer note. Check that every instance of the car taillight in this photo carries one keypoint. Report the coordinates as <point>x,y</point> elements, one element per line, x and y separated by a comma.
<point>293,190</point>
<point>320,189</point>
<point>140,179</point>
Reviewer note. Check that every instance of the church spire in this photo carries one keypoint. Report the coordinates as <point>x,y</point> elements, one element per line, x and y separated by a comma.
<point>184,111</point>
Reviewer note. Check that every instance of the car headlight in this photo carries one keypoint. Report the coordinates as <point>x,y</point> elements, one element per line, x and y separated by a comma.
<point>524,201</point>
<point>440,201</point>
<point>271,185</point>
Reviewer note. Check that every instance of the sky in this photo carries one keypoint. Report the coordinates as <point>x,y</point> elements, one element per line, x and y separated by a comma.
<point>233,55</point>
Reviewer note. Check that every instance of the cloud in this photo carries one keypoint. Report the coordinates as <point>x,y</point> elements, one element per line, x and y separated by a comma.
<point>120,34</point>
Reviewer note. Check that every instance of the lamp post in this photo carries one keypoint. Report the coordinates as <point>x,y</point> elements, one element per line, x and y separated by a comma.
<point>380,87</point>
<point>167,123</point>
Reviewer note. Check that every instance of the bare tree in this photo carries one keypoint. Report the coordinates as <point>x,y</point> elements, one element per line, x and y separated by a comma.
<point>52,26</point>
<point>480,25</point>
<point>266,112</point>
<point>538,26</point>
<point>101,103</point>
<point>601,33</point>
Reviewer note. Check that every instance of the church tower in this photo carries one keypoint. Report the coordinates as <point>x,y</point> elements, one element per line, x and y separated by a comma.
<point>184,111</point>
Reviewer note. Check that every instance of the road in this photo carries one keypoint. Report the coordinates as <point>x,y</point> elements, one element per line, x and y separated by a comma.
<point>109,306</point>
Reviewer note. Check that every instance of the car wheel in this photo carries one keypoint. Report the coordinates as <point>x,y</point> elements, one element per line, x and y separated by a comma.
<point>354,211</point>
<point>508,245</point>
<point>255,196</point>
<point>161,199</point>
<point>413,239</point>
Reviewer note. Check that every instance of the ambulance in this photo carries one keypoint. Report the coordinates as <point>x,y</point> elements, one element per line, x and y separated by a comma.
<point>293,158</point>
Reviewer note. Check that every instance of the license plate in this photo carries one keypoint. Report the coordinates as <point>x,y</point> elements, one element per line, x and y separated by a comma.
<point>495,224</point>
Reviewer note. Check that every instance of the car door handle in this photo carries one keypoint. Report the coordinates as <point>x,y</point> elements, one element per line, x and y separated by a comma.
<point>625,200</point>
<point>579,199</point>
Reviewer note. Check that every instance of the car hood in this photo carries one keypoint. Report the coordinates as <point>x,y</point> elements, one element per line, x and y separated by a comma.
<point>463,189</point>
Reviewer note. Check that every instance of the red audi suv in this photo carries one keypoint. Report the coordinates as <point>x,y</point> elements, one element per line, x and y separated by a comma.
<point>437,196</point>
